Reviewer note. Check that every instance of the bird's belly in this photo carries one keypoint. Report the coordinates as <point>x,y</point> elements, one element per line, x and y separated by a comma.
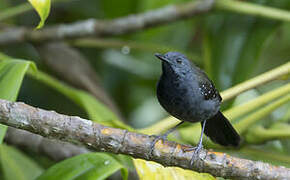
<point>186,105</point>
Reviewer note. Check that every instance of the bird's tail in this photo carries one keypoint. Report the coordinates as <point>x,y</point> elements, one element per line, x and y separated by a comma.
<point>220,131</point>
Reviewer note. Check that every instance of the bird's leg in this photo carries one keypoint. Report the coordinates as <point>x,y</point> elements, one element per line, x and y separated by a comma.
<point>198,147</point>
<point>163,137</point>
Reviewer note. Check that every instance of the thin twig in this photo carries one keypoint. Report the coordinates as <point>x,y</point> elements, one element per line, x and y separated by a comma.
<point>101,138</point>
<point>93,27</point>
<point>253,9</point>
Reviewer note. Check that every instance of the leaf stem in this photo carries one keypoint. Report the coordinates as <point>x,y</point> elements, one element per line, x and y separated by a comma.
<point>253,9</point>
<point>257,81</point>
<point>242,109</point>
<point>246,122</point>
<point>259,134</point>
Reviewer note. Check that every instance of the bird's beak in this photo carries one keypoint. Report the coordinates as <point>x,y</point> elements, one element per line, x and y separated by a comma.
<point>161,57</point>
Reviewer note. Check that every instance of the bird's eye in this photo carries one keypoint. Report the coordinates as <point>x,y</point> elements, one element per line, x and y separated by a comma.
<point>178,60</point>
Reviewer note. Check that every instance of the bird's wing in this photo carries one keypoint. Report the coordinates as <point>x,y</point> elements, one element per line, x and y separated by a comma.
<point>206,86</point>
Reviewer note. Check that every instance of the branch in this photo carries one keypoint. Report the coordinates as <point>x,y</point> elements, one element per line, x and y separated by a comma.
<point>54,149</point>
<point>93,27</point>
<point>101,138</point>
<point>132,23</point>
<point>38,144</point>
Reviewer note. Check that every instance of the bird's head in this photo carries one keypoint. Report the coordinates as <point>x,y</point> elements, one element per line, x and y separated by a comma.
<point>174,61</point>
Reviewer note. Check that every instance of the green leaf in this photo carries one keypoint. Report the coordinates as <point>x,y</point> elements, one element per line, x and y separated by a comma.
<point>4,56</point>
<point>96,110</point>
<point>126,161</point>
<point>11,77</point>
<point>42,7</point>
<point>16,165</point>
<point>91,166</point>
<point>233,44</point>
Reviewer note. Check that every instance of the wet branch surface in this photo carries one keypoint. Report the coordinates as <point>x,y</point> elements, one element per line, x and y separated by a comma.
<point>101,138</point>
<point>119,26</point>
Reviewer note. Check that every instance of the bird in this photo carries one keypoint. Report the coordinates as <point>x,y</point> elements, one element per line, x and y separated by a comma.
<point>186,92</point>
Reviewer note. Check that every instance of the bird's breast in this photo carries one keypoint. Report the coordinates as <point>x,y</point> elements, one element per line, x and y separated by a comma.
<point>182,98</point>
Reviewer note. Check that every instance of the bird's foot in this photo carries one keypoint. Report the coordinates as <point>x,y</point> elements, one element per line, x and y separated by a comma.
<point>162,137</point>
<point>196,152</point>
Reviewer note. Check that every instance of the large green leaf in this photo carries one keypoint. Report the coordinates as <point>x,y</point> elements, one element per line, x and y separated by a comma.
<point>232,44</point>
<point>91,166</point>
<point>16,165</point>
<point>11,76</point>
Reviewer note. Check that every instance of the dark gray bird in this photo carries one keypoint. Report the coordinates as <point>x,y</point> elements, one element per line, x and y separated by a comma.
<point>185,92</point>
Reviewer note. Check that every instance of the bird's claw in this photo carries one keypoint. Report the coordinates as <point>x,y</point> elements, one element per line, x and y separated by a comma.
<point>155,140</point>
<point>196,152</point>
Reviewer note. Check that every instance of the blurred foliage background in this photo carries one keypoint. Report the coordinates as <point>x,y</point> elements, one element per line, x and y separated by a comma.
<point>230,47</point>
